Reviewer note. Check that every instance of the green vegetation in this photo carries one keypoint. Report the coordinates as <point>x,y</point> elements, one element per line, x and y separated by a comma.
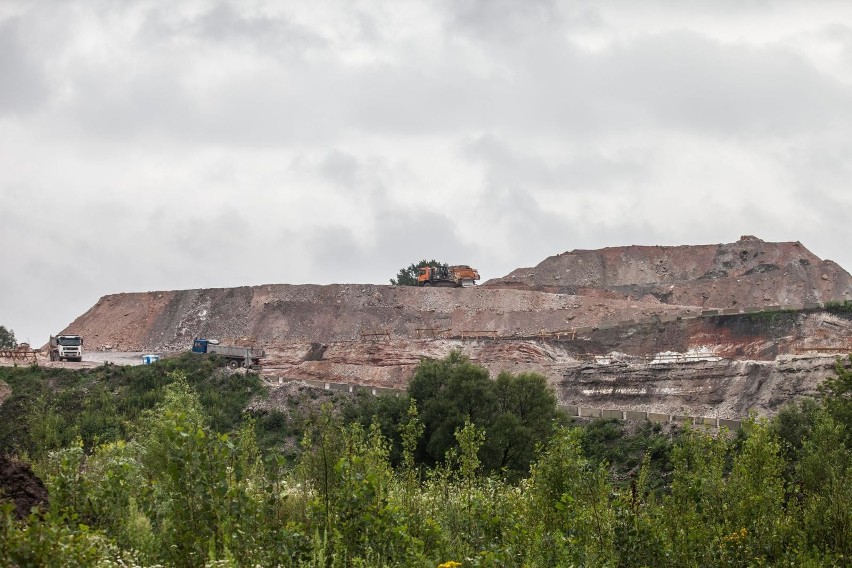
<point>7,338</point>
<point>779,317</point>
<point>177,478</point>
<point>408,276</point>
<point>50,408</point>
<point>515,412</point>
<point>837,307</point>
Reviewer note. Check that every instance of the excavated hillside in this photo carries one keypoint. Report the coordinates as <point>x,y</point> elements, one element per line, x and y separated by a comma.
<point>282,313</point>
<point>749,273</point>
<point>585,319</point>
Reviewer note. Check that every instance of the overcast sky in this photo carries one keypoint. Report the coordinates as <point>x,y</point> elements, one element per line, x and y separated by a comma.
<point>164,145</point>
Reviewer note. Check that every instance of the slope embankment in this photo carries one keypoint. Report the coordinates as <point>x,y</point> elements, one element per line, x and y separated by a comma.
<point>281,313</point>
<point>749,273</point>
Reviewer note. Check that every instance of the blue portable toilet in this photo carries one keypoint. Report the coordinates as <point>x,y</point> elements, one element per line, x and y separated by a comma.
<point>148,359</point>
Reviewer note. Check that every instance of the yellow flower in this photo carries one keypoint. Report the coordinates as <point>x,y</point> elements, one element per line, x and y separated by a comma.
<point>450,564</point>
<point>736,536</point>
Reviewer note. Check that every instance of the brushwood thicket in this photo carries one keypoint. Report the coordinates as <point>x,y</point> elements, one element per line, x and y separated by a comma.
<point>167,465</point>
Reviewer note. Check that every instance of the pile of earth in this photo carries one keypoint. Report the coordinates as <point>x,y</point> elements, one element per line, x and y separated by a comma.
<point>749,273</point>
<point>19,485</point>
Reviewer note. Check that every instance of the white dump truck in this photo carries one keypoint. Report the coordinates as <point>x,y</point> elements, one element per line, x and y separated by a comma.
<point>66,348</point>
<point>248,357</point>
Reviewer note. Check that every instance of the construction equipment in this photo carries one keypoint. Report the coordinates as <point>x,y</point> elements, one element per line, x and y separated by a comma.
<point>235,356</point>
<point>448,276</point>
<point>67,347</point>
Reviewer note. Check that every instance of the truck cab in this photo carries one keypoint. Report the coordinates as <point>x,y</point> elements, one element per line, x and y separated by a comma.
<point>66,347</point>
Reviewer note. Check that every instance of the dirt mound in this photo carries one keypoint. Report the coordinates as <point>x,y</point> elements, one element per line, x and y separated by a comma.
<point>746,274</point>
<point>281,313</point>
<point>20,485</point>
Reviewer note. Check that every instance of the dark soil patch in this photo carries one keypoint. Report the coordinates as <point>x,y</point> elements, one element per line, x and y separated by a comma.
<point>20,485</point>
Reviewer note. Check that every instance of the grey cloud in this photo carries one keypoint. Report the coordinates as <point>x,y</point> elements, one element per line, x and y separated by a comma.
<point>25,86</point>
<point>549,87</point>
<point>577,168</point>
<point>511,21</point>
<point>341,167</point>
<point>271,36</point>
<point>147,102</point>
<point>686,81</point>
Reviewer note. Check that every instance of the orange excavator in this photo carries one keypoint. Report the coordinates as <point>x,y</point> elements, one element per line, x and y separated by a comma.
<point>448,276</point>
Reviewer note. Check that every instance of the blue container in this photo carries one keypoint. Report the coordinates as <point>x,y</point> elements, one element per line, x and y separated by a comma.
<point>148,359</point>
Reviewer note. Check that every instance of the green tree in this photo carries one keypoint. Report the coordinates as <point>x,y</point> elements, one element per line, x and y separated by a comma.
<point>824,486</point>
<point>837,396</point>
<point>7,338</point>
<point>388,411</point>
<point>570,510</point>
<point>447,392</point>
<point>516,413</point>
<point>526,412</point>
<point>408,276</point>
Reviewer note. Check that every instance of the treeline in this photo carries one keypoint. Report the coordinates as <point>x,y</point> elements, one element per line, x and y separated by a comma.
<point>169,488</point>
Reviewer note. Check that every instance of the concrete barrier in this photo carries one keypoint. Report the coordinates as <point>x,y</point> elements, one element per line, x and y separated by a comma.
<point>707,421</point>
<point>610,413</point>
<point>635,415</point>
<point>571,410</point>
<point>589,412</point>
<point>679,419</point>
<point>657,417</point>
<point>730,424</point>
<point>709,312</point>
<point>813,306</point>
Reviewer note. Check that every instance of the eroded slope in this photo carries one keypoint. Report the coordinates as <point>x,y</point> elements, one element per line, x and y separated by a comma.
<point>746,274</point>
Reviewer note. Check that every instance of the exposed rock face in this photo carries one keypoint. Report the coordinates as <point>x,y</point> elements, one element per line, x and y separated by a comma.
<point>282,313</point>
<point>553,319</point>
<point>721,389</point>
<point>745,274</point>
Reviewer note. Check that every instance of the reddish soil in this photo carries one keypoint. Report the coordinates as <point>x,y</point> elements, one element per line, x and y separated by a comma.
<point>746,274</point>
